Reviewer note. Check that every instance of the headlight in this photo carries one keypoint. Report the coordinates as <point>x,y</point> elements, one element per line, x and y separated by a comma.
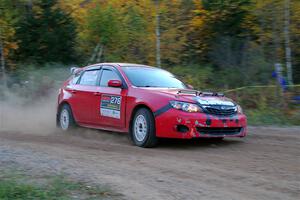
<point>239,109</point>
<point>187,107</point>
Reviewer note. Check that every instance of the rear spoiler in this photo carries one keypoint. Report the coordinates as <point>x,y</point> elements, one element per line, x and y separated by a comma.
<point>74,70</point>
<point>200,93</point>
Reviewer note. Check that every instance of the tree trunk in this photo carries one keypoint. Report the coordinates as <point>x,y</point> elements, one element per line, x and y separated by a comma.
<point>276,34</point>
<point>158,61</point>
<point>2,60</point>
<point>94,55</point>
<point>28,7</point>
<point>288,52</point>
<point>100,53</point>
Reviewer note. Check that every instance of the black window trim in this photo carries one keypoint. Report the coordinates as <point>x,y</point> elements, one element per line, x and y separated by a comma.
<point>97,68</point>
<point>100,68</point>
<point>114,69</point>
<point>77,82</point>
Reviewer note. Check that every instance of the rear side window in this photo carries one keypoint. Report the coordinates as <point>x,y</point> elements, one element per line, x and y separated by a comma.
<point>76,78</point>
<point>107,75</point>
<point>89,77</point>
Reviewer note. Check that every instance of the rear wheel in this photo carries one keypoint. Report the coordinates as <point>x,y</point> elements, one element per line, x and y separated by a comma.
<point>143,129</point>
<point>66,119</point>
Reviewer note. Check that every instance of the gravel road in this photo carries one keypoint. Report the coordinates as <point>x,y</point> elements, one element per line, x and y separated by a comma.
<point>265,165</point>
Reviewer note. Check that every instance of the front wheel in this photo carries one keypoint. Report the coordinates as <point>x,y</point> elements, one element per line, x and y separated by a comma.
<point>143,129</point>
<point>66,119</point>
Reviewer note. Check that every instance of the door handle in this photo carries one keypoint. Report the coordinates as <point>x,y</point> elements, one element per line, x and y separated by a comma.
<point>97,93</point>
<point>73,91</point>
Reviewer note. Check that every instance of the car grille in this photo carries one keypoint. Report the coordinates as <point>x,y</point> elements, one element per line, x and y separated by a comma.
<point>220,110</point>
<point>219,131</point>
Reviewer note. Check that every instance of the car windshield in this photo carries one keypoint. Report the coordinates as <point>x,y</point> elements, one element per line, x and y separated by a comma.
<point>152,77</point>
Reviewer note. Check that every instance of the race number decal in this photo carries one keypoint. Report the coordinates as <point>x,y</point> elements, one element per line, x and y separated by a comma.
<point>110,106</point>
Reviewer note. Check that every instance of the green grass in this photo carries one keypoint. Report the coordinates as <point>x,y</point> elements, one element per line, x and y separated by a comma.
<point>271,117</point>
<point>18,186</point>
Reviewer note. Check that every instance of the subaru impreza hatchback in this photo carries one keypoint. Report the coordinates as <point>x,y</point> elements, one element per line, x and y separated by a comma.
<point>147,103</point>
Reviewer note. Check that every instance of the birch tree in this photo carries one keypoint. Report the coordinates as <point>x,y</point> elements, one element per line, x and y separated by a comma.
<point>157,33</point>
<point>288,52</point>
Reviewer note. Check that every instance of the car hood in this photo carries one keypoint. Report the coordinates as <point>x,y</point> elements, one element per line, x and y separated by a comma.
<point>190,96</point>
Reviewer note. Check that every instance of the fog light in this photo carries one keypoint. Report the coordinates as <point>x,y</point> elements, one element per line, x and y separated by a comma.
<point>182,128</point>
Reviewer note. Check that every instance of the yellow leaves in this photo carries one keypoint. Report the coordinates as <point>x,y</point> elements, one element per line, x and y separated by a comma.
<point>200,16</point>
<point>199,33</point>
<point>12,45</point>
<point>295,18</point>
<point>76,8</point>
<point>197,22</point>
<point>7,30</point>
<point>8,47</point>
<point>7,34</point>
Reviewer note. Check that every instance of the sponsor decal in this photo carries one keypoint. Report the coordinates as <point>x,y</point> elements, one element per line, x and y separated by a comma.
<point>214,101</point>
<point>110,106</point>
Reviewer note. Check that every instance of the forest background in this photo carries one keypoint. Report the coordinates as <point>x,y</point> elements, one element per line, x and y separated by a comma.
<point>230,46</point>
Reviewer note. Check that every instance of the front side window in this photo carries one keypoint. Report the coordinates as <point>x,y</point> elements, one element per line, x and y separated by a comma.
<point>107,75</point>
<point>89,77</point>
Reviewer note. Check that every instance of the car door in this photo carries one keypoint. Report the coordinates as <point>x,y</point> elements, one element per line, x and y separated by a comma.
<point>83,92</point>
<point>111,101</point>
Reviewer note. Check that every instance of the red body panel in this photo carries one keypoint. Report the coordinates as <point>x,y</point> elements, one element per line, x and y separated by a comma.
<point>85,102</point>
<point>166,124</point>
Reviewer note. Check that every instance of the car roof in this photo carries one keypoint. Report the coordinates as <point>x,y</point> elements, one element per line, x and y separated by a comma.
<point>121,64</point>
<point>96,65</point>
<point>132,65</point>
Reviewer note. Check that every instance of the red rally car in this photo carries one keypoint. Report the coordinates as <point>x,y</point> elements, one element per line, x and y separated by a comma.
<point>146,102</point>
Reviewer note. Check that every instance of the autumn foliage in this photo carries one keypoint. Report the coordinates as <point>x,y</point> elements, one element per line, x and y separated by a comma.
<point>225,43</point>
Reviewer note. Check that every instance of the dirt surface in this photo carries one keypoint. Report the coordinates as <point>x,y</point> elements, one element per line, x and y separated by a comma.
<point>265,165</point>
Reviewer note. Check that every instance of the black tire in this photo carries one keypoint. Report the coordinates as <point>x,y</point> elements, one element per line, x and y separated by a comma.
<point>150,139</point>
<point>65,114</point>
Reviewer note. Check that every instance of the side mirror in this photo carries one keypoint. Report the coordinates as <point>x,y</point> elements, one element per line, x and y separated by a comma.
<point>114,83</point>
<point>190,87</point>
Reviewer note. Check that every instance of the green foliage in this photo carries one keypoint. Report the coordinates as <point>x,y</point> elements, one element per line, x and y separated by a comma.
<point>17,186</point>
<point>269,117</point>
<point>174,23</point>
<point>209,44</point>
<point>46,34</point>
<point>120,29</point>
<point>8,20</point>
<point>136,39</point>
<point>241,36</point>
<point>267,105</point>
<point>295,35</point>
<point>103,24</point>
<point>228,16</point>
<point>197,76</point>
<point>239,62</point>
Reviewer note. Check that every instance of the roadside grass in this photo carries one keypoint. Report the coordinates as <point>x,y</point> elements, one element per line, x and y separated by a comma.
<point>15,185</point>
<point>271,117</point>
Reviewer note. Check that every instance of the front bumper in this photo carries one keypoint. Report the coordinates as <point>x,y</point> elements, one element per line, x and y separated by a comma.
<point>178,124</point>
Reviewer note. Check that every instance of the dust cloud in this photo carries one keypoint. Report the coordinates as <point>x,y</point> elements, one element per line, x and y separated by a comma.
<point>28,104</point>
<point>32,117</point>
